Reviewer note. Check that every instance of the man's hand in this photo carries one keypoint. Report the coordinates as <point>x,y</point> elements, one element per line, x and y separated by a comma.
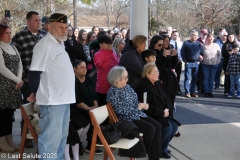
<point>31,98</point>
<point>200,57</point>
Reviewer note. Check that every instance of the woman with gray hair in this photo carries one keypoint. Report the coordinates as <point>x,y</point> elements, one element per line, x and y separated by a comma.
<point>118,46</point>
<point>125,104</point>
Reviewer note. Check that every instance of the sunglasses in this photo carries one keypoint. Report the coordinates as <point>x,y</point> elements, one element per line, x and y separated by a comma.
<point>160,45</point>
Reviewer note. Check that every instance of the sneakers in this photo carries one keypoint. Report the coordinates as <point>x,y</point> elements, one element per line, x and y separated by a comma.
<point>187,96</point>
<point>230,95</point>
<point>194,95</point>
<point>98,151</point>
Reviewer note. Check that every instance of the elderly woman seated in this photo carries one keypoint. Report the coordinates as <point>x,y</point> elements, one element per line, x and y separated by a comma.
<point>158,104</point>
<point>125,104</point>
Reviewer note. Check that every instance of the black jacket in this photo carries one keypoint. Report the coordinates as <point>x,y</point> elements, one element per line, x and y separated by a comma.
<point>156,99</point>
<point>133,63</point>
<point>165,66</point>
<point>75,52</point>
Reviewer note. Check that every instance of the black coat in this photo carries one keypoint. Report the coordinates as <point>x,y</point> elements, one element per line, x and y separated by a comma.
<point>164,65</point>
<point>75,52</point>
<point>133,63</point>
<point>156,99</point>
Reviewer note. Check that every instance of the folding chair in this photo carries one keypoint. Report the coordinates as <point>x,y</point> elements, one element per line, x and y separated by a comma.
<point>26,110</point>
<point>98,116</point>
<point>112,116</point>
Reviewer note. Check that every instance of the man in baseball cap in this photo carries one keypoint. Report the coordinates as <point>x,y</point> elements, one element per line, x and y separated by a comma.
<point>45,21</point>
<point>52,80</point>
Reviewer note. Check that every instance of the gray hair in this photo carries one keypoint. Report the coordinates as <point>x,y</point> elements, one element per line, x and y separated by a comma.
<point>193,31</point>
<point>115,74</point>
<point>116,43</point>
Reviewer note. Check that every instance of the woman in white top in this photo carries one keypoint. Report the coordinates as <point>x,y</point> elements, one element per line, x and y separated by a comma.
<point>211,58</point>
<point>10,84</point>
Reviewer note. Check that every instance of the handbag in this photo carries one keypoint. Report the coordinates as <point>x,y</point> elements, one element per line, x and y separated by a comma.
<point>110,132</point>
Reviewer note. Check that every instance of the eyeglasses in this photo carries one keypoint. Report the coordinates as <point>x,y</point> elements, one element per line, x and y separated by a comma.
<point>160,45</point>
<point>125,78</point>
<point>225,35</point>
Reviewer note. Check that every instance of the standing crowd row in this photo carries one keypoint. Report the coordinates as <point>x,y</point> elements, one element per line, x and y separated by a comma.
<point>69,72</point>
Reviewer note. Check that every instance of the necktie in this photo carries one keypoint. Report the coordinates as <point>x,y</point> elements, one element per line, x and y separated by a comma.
<point>176,47</point>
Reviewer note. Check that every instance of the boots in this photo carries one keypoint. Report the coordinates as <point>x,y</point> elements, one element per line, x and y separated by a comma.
<point>4,146</point>
<point>11,143</point>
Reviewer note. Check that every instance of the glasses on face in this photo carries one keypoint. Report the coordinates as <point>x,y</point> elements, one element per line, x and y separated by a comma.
<point>125,78</point>
<point>225,35</point>
<point>160,45</point>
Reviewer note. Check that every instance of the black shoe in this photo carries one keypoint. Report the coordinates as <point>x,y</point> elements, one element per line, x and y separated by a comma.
<point>177,134</point>
<point>179,93</point>
<point>210,95</point>
<point>206,95</point>
<point>28,143</point>
<point>166,156</point>
<point>98,151</point>
<point>216,88</point>
<point>169,151</point>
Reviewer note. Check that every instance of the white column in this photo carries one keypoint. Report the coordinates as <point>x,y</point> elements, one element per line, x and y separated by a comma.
<point>138,18</point>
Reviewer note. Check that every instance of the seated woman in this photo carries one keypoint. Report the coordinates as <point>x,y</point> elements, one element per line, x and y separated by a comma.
<point>125,104</point>
<point>158,104</point>
<point>86,98</point>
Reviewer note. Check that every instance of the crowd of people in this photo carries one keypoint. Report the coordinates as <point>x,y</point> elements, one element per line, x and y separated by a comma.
<point>68,72</point>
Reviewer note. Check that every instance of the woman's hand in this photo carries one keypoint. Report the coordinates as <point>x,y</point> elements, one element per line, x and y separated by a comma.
<point>166,113</point>
<point>166,53</point>
<point>142,106</point>
<point>174,52</point>
<point>19,85</point>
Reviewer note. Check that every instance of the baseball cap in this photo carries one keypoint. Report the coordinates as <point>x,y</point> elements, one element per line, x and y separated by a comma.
<point>204,31</point>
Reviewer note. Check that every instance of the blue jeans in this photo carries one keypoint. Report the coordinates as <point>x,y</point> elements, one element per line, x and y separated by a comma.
<point>235,80</point>
<point>167,134</point>
<point>209,72</point>
<point>54,123</point>
<point>218,74</point>
<point>191,71</point>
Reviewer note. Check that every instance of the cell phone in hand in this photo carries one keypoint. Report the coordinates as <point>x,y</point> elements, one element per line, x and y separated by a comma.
<point>167,52</point>
<point>7,13</point>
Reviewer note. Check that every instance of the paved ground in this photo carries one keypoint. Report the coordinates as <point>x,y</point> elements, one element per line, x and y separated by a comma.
<point>210,130</point>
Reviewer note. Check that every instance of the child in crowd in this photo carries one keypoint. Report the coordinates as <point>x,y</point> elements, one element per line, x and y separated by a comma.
<point>233,69</point>
<point>149,56</point>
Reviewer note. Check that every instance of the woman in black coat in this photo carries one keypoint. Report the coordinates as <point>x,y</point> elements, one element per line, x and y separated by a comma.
<point>166,61</point>
<point>158,104</point>
<point>131,59</point>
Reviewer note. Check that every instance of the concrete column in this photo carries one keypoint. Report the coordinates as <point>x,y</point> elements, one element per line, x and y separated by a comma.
<point>138,18</point>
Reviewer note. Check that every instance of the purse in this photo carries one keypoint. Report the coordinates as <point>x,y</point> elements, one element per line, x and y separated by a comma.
<point>110,132</point>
